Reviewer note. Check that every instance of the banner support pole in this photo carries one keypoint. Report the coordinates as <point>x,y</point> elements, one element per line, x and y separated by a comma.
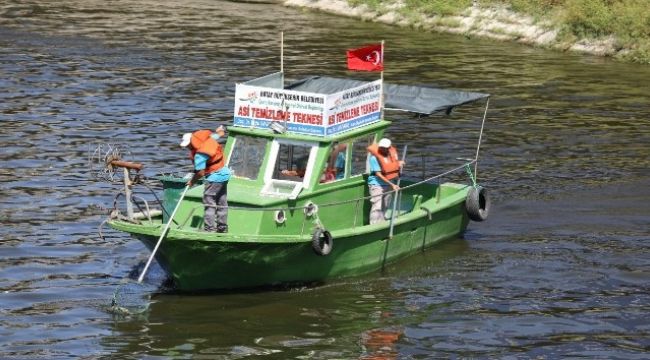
<point>381,116</point>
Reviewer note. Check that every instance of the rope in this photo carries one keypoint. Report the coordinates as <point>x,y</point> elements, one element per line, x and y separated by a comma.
<point>480,136</point>
<point>144,181</point>
<point>101,235</point>
<point>468,169</point>
<point>317,222</point>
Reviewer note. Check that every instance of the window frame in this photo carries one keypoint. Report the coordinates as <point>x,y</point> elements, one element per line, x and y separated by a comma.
<point>233,148</point>
<point>269,181</point>
<point>348,169</point>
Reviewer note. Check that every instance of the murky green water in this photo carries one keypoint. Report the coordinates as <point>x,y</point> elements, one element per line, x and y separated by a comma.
<point>560,269</point>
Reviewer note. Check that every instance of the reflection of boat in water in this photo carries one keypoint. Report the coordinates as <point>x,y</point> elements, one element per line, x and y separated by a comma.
<point>313,227</point>
<point>380,344</point>
<point>325,322</point>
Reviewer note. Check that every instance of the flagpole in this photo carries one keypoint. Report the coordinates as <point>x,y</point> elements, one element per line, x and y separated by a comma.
<point>382,81</point>
<point>282,52</point>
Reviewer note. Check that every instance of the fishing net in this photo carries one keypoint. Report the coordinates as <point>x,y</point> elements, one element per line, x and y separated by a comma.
<point>131,298</point>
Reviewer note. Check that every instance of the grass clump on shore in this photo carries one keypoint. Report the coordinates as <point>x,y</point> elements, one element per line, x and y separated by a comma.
<point>628,21</point>
<point>439,7</point>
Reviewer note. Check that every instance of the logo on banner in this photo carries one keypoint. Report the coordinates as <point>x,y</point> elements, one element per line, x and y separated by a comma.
<point>250,97</point>
<point>337,104</point>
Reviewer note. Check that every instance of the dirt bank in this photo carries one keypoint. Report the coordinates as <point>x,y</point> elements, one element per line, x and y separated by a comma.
<point>496,23</point>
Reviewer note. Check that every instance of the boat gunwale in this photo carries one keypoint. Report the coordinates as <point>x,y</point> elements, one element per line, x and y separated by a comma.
<point>427,207</point>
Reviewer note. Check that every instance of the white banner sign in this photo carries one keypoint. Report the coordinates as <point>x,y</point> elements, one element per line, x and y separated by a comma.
<point>308,113</point>
<point>353,108</point>
<point>257,107</point>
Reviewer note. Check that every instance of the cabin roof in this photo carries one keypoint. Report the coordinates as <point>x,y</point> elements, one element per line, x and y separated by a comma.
<point>418,99</point>
<point>331,108</point>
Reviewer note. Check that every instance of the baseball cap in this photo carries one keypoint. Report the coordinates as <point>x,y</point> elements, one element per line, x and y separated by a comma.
<point>384,143</point>
<point>187,137</point>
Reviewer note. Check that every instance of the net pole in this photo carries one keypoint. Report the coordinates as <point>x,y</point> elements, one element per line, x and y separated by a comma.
<point>162,234</point>
<point>381,104</point>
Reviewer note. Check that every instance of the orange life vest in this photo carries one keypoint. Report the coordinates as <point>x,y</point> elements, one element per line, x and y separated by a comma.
<point>389,164</point>
<point>202,142</point>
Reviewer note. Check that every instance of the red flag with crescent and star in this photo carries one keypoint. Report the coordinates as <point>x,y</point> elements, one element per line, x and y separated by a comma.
<point>367,58</point>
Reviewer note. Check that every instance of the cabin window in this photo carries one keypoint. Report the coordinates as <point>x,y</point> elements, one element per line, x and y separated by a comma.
<point>335,167</point>
<point>291,162</point>
<point>246,156</point>
<point>359,163</point>
<point>290,167</point>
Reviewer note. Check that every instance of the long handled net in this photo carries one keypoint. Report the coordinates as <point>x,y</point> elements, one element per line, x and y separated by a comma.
<point>133,298</point>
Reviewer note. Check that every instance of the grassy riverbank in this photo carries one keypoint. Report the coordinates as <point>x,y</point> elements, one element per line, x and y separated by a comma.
<point>618,28</point>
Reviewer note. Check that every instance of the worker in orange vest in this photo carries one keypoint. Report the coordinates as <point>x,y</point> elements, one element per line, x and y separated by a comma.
<point>385,168</point>
<point>209,162</point>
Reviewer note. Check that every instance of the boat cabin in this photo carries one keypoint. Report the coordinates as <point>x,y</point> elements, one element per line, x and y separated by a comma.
<point>280,166</point>
<point>288,140</point>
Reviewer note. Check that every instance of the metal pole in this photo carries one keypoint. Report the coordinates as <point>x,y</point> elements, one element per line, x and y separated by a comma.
<point>127,194</point>
<point>381,95</point>
<point>480,136</point>
<point>282,52</point>
<point>356,211</point>
<point>422,166</point>
<point>162,234</point>
<point>395,196</point>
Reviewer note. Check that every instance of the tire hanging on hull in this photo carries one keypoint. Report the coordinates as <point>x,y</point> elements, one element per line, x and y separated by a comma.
<point>477,203</point>
<point>322,242</point>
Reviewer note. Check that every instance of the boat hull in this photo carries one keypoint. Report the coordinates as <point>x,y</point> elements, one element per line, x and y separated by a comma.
<point>196,264</point>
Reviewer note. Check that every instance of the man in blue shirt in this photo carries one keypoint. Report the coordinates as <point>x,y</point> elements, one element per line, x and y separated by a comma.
<point>378,181</point>
<point>209,161</point>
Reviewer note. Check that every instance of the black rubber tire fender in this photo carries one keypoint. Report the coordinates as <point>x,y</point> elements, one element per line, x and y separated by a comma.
<point>322,242</point>
<point>477,204</point>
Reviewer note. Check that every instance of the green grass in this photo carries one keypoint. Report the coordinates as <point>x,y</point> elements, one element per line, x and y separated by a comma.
<point>439,7</point>
<point>627,20</point>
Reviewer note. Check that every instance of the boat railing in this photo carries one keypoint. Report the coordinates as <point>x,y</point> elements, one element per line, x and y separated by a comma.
<point>467,166</point>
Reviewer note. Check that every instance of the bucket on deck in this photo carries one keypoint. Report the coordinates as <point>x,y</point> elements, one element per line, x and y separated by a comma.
<point>172,189</point>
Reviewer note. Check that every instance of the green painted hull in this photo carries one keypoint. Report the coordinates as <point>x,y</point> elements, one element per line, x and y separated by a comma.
<point>198,260</point>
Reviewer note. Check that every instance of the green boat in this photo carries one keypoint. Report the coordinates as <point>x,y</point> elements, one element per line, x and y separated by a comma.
<point>315,227</point>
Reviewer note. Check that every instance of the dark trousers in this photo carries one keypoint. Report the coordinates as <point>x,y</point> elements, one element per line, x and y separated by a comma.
<point>215,202</point>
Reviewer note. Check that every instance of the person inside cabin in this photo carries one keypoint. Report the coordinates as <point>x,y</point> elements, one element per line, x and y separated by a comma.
<point>209,162</point>
<point>298,170</point>
<point>385,168</point>
<point>336,164</point>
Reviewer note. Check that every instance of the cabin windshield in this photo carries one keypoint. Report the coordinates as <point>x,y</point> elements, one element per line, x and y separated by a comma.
<point>290,168</point>
<point>291,162</point>
<point>246,156</point>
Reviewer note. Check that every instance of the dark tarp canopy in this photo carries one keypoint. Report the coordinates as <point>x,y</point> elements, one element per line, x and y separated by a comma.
<point>417,99</point>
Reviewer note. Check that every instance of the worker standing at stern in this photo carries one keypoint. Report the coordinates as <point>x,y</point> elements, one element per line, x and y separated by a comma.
<point>385,169</point>
<point>209,162</point>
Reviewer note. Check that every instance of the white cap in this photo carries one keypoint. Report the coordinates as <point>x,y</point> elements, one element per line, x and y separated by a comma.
<point>187,137</point>
<point>384,143</point>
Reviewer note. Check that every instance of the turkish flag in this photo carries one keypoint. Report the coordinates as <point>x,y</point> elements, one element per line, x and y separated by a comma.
<point>367,58</point>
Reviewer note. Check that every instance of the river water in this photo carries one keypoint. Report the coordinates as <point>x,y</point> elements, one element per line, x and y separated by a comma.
<point>560,269</point>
